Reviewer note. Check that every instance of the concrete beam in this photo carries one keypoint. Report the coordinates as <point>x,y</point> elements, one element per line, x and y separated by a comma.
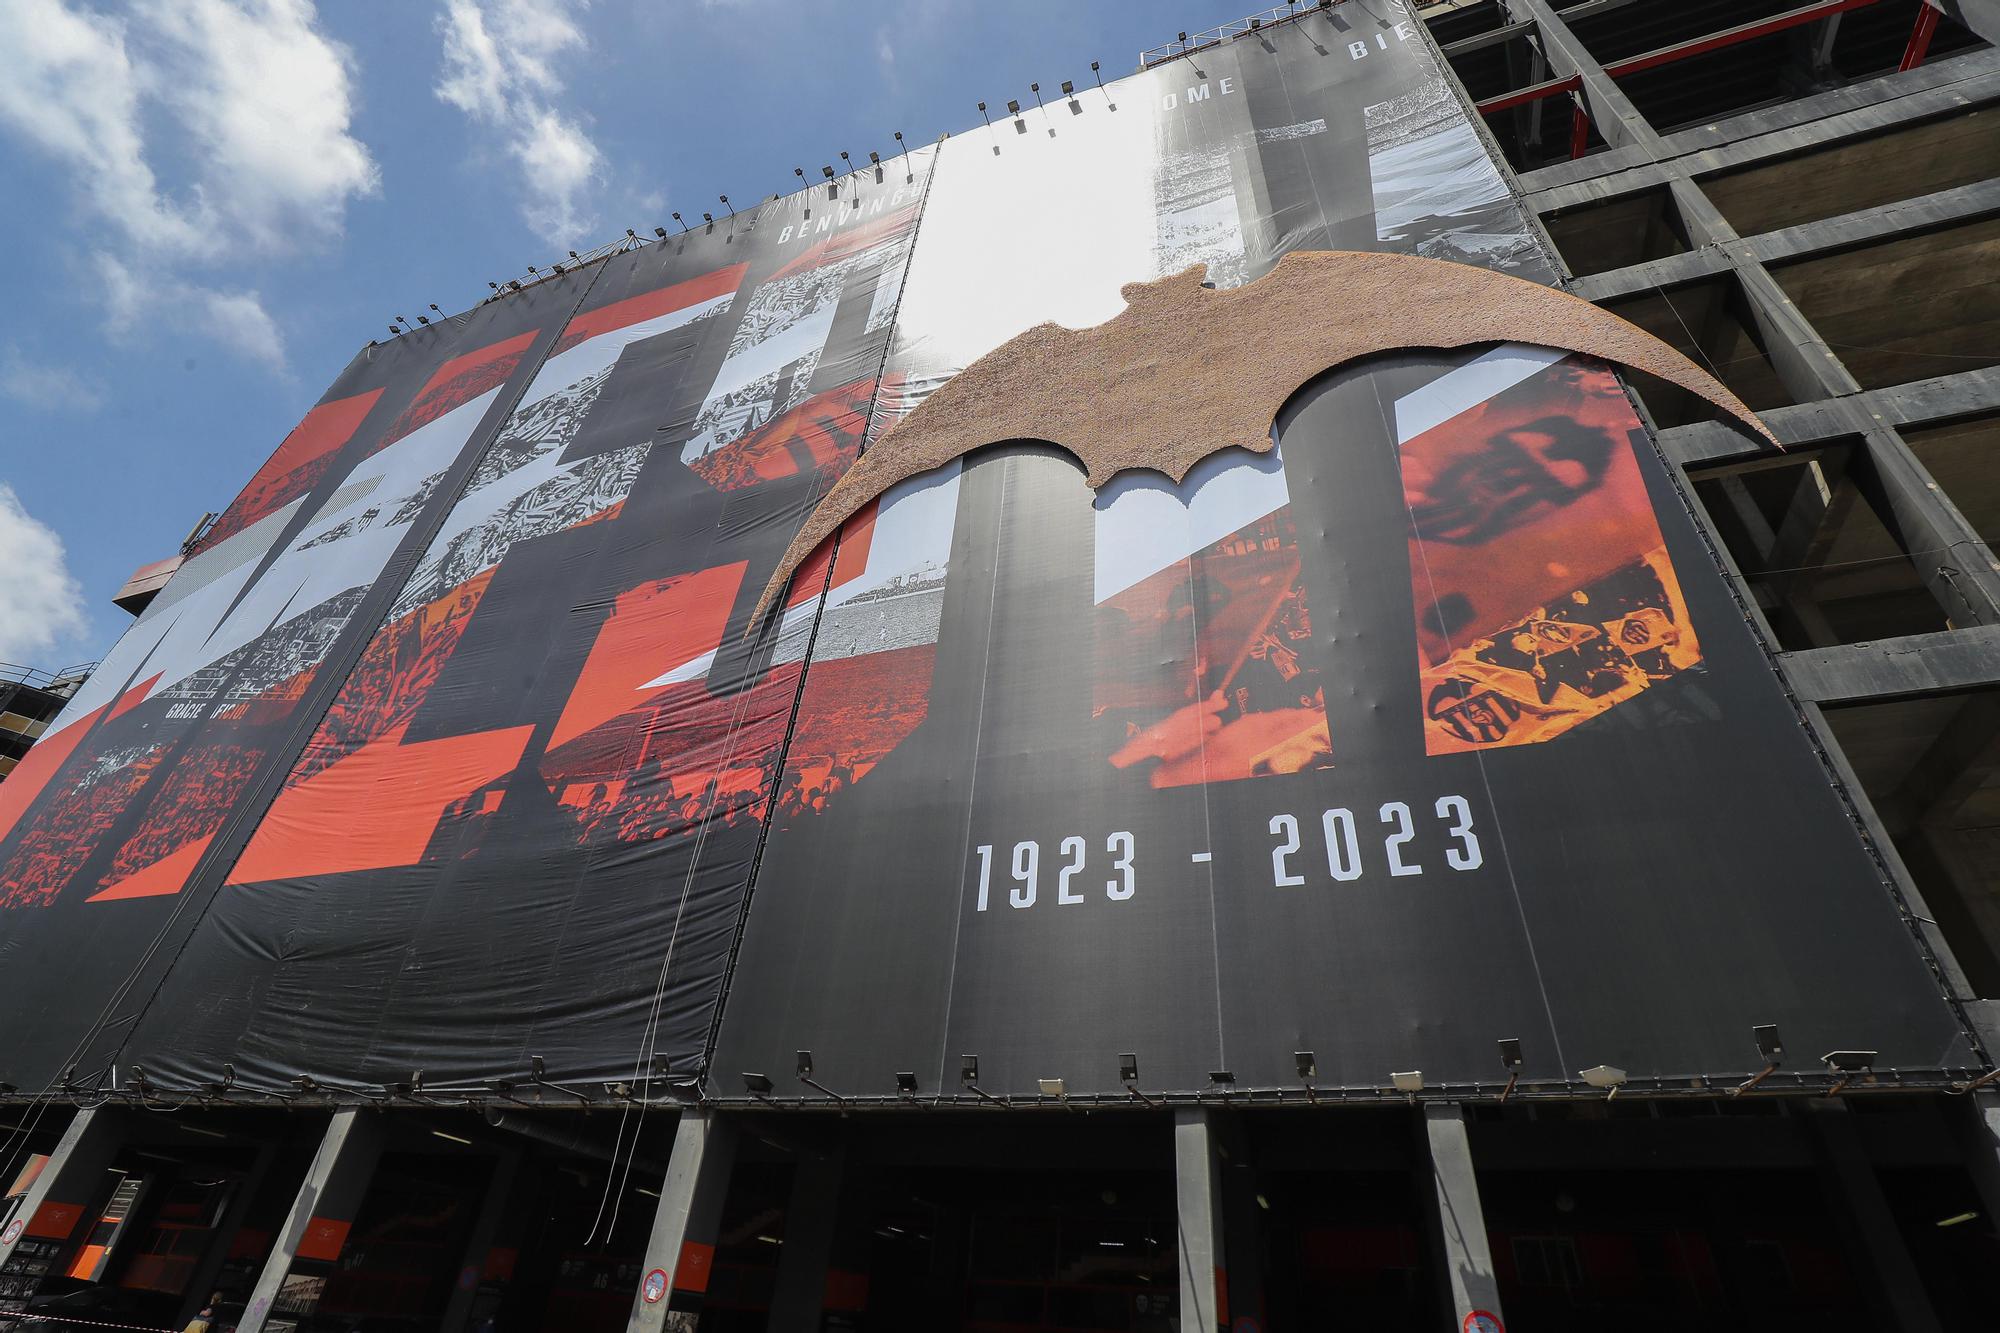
<point>1468,1257</point>
<point>326,1205</point>
<point>681,1248</point>
<point>459,1311</point>
<point>1198,1189</point>
<point>1714,446</point>
<point>1942,663</point>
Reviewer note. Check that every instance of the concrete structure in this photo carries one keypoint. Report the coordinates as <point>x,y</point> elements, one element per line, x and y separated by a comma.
<point>29,701</point>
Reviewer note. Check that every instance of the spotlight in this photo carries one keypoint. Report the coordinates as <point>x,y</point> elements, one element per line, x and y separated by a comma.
<point>805,1064</point>
<point>435,311</point>
<point>660,232</point>
<point>1769,1044</point>
<point>1053,1087</point>
<point>1771,1048</point>
<point>1306,1065</point>
<point>558,268</point>
<point>1013,107</point>
<point>1128,1068</point>
<point>846,159</point>
<point>1068,87</point>
<point>630,235</point>
<point>394,329</point>
<point>1222,1079</point>
<point>1182,36</point>
<point>573,254</point>
<point>709,218</point>
<point>906,1083</point>
<point>402,319</point>
<point>1849,1065</point>
<point>874,158</point>
<point>494,285</point>
<point>1410,1082</point>
<point>726,204</point>
<point>827,172</point>
<point>1604,1076</point>
<point>1256,24</point>
<point>757,1085</point>
<point>1511,1061</point>
<point>424,320</point>
<point>968,1069</point>
<point>533,269</point>
<point>515,284</point>
<point>677,218</point>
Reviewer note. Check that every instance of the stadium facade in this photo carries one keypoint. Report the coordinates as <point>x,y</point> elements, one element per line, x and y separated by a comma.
<point>1517,851</point>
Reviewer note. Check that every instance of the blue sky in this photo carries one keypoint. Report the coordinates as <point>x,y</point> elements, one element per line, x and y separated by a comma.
<point>208,205</point>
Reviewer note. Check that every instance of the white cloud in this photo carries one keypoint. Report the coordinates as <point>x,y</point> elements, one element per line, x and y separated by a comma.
<point>499,69</point>
<point>236,319</point>
<point>44,603</point>
<point>246,99</point>
<point>47,388</point>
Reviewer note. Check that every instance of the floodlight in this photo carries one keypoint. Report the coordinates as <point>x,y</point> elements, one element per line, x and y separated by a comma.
<point>757,1085</point>
<point>6,1089</point>
<point>1128,1068</point>
<point>394,329</point>
<point>1034,87</point>
<point>1068,87</point>
<point>1222,1078</point>
<point>494,285</point>
<point>558,268</point>
<point>874,158</point>
<point>660,232</point>
<point>1306,1065</point>
<point>1182,36</point>
<point>1093,67</point>
<point>1409,1081</point>
<point>968,1069</point>
<point>1013,106</point>
<point>402,319</point>
<point>906,1082</point>
<point>1053,1087</point>
<point>1769,1044</point>
<point>1510,1052</point>
<point>709,218</point>
<point>899,136</point>
<point>1850,1062</point>
<point>800,172</point>
<point>827,172</point>
<point>982,106</point>
<point>1256,24</point>
<point>845,158</point>
<point>805,1064</point>
<point>1603,1076</point>
<point>573,255</point>
<point>435,310</point>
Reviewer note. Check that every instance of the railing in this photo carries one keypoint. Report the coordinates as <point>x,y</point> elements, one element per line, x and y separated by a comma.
<point>43,680</point>
<point>1188,43</point>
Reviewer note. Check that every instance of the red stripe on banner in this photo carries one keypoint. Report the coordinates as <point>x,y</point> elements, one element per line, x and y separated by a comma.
<point>376,808</point>
<point>836,248</point>
<point>456,383</point>
<point>168,875</point>
<point>296,464</point>
<point>652,629</point>
<point>651,305</point>
<point>32,774</point>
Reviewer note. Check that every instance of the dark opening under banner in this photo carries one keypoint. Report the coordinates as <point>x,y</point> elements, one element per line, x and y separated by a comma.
<point>453,744</point>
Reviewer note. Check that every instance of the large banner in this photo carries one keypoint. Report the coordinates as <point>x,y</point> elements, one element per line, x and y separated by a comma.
<point>116,829</point>
<point>1437,726</point>
<point>518,820</point>
<point>454,747</point>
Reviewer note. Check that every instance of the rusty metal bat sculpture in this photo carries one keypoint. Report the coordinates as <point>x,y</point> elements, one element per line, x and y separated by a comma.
<point>1185,370</point>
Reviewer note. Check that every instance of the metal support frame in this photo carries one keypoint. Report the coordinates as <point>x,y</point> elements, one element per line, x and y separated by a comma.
<point>70,1184</point>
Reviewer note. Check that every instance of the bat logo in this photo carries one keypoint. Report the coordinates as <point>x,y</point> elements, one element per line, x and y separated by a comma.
<point>1184,371</point>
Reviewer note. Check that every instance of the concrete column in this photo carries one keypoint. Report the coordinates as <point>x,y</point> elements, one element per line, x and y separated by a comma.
<point>316,1227</point>
<point>219,1243</point>
<point>69,1187</point>
<point>458,1311</point>
<point>1864,1215</point>
<point>824,1267</point>
<point>1242,1220</point>
<point>1198,1187</point>
<point>1467,1256</point>
<point>674,1276</point>
<point>1981,1138</point>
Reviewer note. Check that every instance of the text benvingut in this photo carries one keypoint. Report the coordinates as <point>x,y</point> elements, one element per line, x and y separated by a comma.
<point>843,215</point>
